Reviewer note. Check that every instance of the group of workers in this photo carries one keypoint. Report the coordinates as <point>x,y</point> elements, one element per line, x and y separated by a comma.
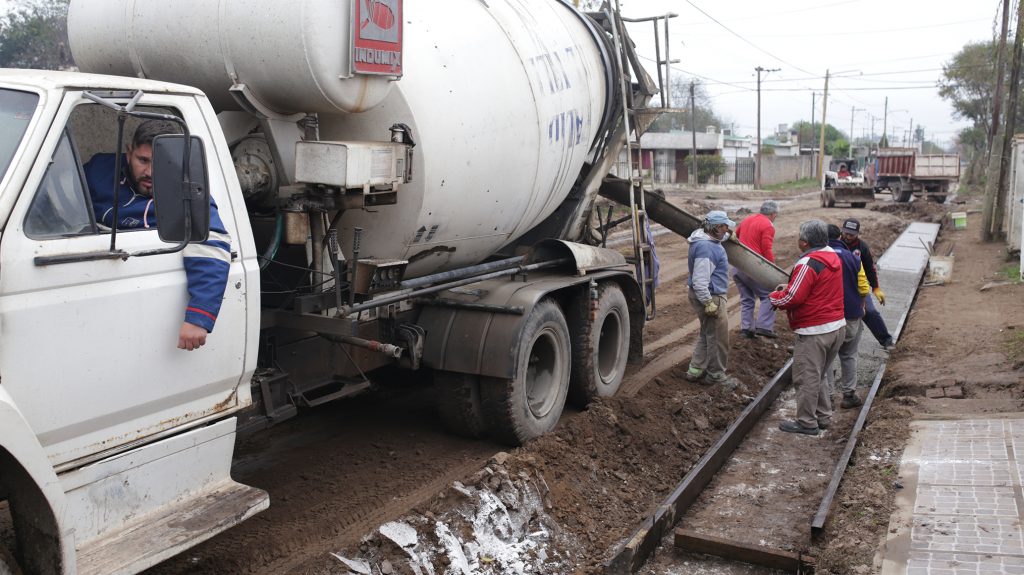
<point>827,300</point>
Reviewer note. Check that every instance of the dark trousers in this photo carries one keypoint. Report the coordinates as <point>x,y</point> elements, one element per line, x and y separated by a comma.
<point>874,321</point>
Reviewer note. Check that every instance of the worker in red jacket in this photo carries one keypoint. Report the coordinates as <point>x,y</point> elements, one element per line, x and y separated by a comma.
<point>813,301</point>
<point>757,232</point>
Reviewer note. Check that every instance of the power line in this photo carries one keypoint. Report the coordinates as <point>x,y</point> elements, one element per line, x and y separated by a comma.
<point>859,32</point>
<point>712,18</point>
<point>781,13</point>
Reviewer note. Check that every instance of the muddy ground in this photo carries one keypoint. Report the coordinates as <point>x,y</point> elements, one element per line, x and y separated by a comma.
<point>374,483</point>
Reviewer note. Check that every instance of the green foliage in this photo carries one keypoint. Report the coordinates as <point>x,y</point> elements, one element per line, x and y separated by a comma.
<point>840,149</point>
<point>968,82</point>
<point>809,136</point>
<point>1011,271</point>
<point>33,34</point>
<point>798,184</point>
<point>708,167</point>
<point>767,150</point>
<point>1013,343</point>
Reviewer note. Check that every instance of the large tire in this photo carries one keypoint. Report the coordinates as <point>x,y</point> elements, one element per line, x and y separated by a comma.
<point>901,195</point>
<point>8,565</point>
<point>600,347</point>
<point>823,198</point>
<point>458,403</point>
<point>830,198</point>
<point>528,406</point>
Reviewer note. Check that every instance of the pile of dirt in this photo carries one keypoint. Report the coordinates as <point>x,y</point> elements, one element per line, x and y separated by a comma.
<point>597,475</point>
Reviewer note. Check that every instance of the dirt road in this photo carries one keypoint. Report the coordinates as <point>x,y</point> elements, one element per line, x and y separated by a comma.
<point>338,472</point>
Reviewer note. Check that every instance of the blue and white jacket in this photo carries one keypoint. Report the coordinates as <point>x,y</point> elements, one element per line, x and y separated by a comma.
<point>206,264</point>
<point>708,266</point>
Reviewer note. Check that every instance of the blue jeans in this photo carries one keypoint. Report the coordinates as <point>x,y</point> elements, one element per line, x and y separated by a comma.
<point>874,321</point>
<point>750,294</point>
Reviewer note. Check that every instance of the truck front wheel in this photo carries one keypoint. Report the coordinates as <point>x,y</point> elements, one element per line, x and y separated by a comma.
<point>600,346</point>
<point>528,406</point>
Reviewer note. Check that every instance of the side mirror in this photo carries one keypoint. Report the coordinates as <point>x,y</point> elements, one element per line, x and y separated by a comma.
<point>169,189</point>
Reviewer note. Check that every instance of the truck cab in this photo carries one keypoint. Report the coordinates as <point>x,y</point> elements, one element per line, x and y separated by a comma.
<point>105,422</point>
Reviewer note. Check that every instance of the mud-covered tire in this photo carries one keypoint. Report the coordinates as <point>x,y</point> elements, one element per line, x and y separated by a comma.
<point>901,195</point>
<point>520,409</point>
<point>458,403</point>
<point>600,347</point>
<point>822,197</point>
<point>8,565</point>
<point>830,199</point>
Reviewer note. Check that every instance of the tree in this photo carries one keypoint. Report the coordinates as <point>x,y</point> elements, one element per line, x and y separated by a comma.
<point>808,136</point>
<point>968,82</point>
<point>34,34</point>
<point>680,97</point>
<point>708,167</point>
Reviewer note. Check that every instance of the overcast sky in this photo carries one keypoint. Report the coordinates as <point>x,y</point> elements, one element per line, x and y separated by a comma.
<point>873,48</point>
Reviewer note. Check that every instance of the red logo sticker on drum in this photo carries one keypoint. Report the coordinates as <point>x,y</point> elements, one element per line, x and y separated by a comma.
<point>377,38</point>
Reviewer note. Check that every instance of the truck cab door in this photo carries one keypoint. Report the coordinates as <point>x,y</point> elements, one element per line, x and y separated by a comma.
<point>88,349</point>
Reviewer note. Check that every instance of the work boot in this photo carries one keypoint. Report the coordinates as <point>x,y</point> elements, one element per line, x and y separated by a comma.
<point>790,426</point>
<point>766,333</point>
<point>889,344</point>
<point>748,333</point>
<point>850,400</point>
<point>694,373</point>
<point>725,381</point>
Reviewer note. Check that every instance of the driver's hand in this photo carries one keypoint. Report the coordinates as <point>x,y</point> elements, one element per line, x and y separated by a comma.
<point>191,337</point>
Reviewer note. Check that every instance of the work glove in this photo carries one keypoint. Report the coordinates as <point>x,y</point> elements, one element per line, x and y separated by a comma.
<point>711,308</point>
<point>880,295</point>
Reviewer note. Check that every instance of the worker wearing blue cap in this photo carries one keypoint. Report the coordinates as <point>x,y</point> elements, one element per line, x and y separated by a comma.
<point>708,284</point>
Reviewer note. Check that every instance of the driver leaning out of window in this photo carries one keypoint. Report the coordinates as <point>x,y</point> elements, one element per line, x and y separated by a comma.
<point>206,264</point>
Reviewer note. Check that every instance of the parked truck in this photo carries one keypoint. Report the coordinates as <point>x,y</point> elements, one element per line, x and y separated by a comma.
<point>907,173</point>
<point>401,187</point>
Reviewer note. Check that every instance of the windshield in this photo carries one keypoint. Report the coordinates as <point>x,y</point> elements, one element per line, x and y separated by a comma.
<point>15,113</point>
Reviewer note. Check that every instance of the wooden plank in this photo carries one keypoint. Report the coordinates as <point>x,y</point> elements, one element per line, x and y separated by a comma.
<point>736,551</point>
<point>818,523</point>
<point>633,553</point>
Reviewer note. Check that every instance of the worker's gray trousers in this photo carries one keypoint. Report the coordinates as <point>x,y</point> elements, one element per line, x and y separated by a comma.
<point>711,352</point>
<point>812,354</point>
<point>847,358</point>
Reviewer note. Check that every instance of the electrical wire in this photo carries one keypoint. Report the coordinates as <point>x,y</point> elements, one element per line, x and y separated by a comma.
<point>713,19</point>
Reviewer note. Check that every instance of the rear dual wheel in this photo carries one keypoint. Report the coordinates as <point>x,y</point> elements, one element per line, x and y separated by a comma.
<point>517,410</point>
<point>600,344</point>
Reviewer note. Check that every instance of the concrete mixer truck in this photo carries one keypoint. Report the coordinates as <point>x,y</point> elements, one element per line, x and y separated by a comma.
<point>397,186</point>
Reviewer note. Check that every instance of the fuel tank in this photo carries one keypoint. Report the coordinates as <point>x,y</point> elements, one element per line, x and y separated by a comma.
<point>504,99</point>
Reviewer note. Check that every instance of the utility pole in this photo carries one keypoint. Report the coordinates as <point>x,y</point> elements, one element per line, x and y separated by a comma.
<point>997,100</point>
<point>885,120</point>
<point>853,110</point>
<point>693,131</point>
<point>821,144</point>
<point>757,184</point>
<point>1011,120</point>
<point>813,94</point>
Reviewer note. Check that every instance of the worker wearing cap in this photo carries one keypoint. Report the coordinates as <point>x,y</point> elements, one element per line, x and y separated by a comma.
<point>855,292</point>
<point>851,237</point>
<point>757,232</point>
<point>708,283</point>
<point>813,300</point>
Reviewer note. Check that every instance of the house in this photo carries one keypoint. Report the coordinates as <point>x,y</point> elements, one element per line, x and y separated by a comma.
<point>666,155</point>
<point>736,147</point>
